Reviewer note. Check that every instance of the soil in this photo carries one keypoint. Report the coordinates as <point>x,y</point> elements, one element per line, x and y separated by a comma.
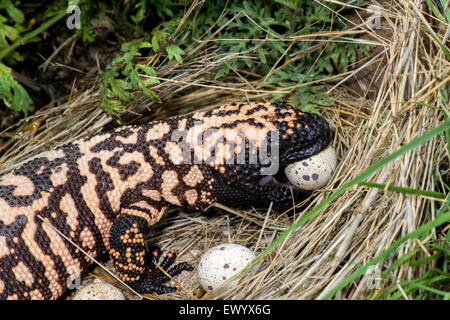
<point>60,65</point>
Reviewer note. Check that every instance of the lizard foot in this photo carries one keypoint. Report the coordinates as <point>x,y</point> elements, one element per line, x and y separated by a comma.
<point>154,279</point>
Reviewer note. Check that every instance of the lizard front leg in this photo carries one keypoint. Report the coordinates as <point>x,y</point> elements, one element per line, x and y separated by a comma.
<point>128,253</point>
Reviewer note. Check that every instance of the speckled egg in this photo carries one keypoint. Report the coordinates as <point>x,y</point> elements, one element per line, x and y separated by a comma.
<point>98,291</point>
<point>221,263</point>
<point>314,172</point>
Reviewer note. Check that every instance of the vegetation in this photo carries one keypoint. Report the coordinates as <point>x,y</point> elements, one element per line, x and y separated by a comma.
<point>386,210</point>
<point>262,35</point>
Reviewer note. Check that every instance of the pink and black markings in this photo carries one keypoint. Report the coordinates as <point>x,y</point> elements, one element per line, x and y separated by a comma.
<point>104,192</point>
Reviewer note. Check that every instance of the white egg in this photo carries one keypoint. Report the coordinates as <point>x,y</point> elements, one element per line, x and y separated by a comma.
<point>221,263</point>
<point>314,172</point>
<point>98,291</point>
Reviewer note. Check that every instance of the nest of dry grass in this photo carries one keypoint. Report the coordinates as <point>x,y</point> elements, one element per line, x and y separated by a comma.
<point>409,70</point>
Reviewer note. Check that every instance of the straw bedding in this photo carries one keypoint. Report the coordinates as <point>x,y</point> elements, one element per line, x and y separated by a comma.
<point>374,114</point>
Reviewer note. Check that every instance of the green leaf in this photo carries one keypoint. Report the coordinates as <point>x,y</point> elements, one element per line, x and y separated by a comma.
<point>149,93</point>
<point>279,46</point>
<point>293,4</point>
<point>223,70</point>
<point>122,76</point>
<point>262,54</point>
<point>140,15</point>
<point>150,72</point>
<point>13,94</point>
<point>162,7</point>
<point>133,46</point>
<point>134,78</point>
<point>119,87</point>
<point>5,51</point>
<point>7,32</point>
<point>12,11</point>
<point>175,51</point>
<point>112,107</point>
<point>158,36</point>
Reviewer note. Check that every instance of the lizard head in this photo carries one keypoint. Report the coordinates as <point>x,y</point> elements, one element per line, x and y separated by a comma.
<point>250,146</point>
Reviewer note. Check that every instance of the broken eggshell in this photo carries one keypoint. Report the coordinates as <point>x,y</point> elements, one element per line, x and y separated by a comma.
<point>314,172</point>
<point>221,263</point>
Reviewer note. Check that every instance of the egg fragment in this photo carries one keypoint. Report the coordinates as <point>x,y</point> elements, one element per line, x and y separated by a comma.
<point>98,291</point>
<point>221,263</point>
<point>314,172</point>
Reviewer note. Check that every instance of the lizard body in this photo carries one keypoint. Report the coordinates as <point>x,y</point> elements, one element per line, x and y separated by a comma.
<point>104,192</point>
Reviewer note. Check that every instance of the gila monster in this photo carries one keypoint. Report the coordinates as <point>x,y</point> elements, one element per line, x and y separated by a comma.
<point>104,192</point>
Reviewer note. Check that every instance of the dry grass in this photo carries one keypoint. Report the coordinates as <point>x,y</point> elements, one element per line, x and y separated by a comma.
<point>354,228</point>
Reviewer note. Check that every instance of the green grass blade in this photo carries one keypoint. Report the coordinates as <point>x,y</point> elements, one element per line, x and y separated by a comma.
<point>412,286</point>
<point>426,260</point>
<point>415,234</point>
<point>419,192</point>
<point>33,33</point>
<point>433,35</point>
<point>427,287</point>
<point>358,179</point>
<point>435,10</point>
<point>403,259</point>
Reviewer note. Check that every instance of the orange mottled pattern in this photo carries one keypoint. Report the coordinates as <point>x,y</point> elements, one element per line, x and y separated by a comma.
<point>101,194</point>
